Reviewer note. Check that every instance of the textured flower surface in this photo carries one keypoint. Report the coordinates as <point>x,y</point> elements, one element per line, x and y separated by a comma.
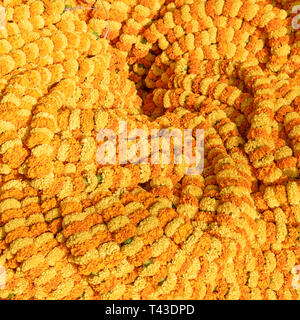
<point>71,228</point>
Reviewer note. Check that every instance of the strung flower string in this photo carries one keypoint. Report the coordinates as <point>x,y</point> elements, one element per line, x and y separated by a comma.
<point>73,227</point>
<point>68,8</point>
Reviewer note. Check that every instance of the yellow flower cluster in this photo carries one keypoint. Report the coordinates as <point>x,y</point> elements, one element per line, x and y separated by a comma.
<point>73,228</point>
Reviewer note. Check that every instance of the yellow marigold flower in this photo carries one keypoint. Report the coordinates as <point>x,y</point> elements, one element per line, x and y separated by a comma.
<point>7,64</point>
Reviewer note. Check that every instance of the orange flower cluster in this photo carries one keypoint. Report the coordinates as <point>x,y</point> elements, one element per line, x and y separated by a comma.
<point>72,228</point>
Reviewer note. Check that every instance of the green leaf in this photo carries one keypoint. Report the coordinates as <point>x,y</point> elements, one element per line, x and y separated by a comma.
<point>85,181</point>
<point>99,178</point>
<point>144,40</point>
<point>96,34</point>
<point>127,241</point>
<point>147,263</point>
<point>162,281</point>
<point>67,6</point>
<point>11,295</point>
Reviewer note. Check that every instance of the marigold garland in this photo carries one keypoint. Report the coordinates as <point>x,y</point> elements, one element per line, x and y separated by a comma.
<point>71,228</point>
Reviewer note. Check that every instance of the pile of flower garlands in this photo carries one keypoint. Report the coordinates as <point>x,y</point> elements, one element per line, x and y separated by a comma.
<point>71,228</point>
